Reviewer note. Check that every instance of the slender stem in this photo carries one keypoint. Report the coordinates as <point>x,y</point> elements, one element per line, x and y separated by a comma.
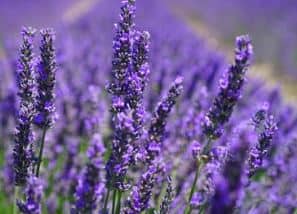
<point>114,197</point>
<point>202,209</point>
<point>16,195</point>
<point>106,199</point>
<point>194,185</point>
<point>200,164</point>
<point>188,209</point>
<point>40,151</point>
<point>207,147</point>
<point>118,209</point>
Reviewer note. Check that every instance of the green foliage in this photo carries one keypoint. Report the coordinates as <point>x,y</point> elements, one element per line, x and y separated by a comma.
<point>259,175</point>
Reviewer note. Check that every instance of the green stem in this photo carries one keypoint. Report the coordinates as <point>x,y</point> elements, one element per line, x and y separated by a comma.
<point>188,209</point>
<point>207,147</point>
<point>114,197</point>
<point>40,151</point>
<point>106,199</point>
<point>16,195</point>
<point>200,164</point>
<point>118,209</point>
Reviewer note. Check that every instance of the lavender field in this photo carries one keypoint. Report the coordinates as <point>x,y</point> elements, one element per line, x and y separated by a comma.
<point>147,106</point>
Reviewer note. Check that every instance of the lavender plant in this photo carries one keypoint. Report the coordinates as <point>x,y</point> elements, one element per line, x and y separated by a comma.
<point>158,122</point>
<point>229,184</point>
<point>165,138</point>
<point>22,152</point>
<point>230,90</point>
<point>90,189</point>
<point>121,155</point>
<point>266,128</point>
<point>45,88</point>
<point>33,195</point>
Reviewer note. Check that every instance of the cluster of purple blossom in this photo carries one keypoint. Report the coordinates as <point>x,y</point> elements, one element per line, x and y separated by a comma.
<point>209,145</point>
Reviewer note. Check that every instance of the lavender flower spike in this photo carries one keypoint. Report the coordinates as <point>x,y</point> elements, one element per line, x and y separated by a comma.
<point>33,193</point>
<point>266,128</point>
<point>46,80</point>
<point>228,185</point>
<point>165,205</point>
<point>230,90</point>
<point>141,194</point>
<point>138,77</point>
<point>122,152</point>
<point>158,123</point>
<point>22,153</point>
<point>122,45</point>
<point>122,122</point>
<point>136,84</point>
<point>89,189</point>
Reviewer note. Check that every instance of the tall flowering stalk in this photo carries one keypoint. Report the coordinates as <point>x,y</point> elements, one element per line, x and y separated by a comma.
<point>137,82</point>
<point>33,195</point>
<point>22,152</point>
<point>223,104</point>
<point>230,90</point>
<point>45,85</point>
<point>46,79</point>
<point>229,183</point>
<point>266,128</point>
<point>122,123</point>
<point>159,120</point>
<point>89,189</point>
<point>141,194</point>
<point>165,205</point>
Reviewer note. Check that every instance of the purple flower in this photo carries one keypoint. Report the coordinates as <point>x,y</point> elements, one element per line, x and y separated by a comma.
<point>196,149</point>
<point>33,195</point>
<point>46,80</point>
<point>168,198</point>
<point>141,194</point>
<point>158,122</point>
<point>229,183</point>
<point>266,128</point>
<point>89,189</point>
<point>129,72</point>
<point>197,200</point>
<point>122,151</point>
<point>122,46</point>
<point>66,178</point>
<point>230,90</point>
<point>138,77</point>
<point>92,114</point>
<point>22,152</point>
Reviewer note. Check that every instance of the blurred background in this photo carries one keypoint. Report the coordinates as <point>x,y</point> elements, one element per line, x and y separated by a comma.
<point>271,24</point>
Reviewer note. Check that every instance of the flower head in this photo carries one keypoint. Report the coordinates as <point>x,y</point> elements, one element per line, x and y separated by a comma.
<point>266,128</point>
<point>229,183</point>
<point>89,189</point>
<point>33,194</point>
<point>158,122</point>
<point>22,152</point>
<point>230,90</point>
<point>46,79</point>
<point>165,205</point>
<point>141,194</point>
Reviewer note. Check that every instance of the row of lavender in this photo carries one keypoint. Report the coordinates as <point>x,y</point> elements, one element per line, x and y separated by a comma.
<point>199,147</point>
<point>271,24</point>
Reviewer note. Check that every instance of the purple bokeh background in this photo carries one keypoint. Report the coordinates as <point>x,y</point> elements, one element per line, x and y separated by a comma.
<point>37,13</point>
